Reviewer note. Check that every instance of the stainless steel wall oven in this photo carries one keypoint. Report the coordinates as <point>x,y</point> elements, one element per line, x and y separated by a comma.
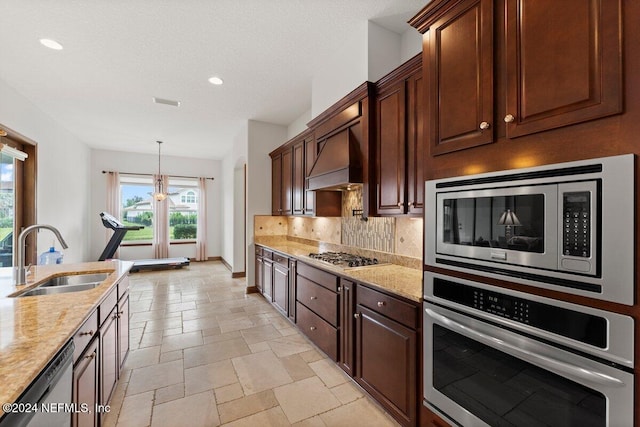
<point>501,357</point>
<point>567,227</point>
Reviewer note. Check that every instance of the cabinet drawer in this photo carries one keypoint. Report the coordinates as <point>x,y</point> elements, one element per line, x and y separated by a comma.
<point>107,305</point>
<point>266,253</point>
<point>123,287</point>
<point>281,259</point>
<point>319,299</point>
<point>258,251</point>
<point>388,306</point>
<point>320,332</point>
<point>85,334</point>
<point>322,278</point>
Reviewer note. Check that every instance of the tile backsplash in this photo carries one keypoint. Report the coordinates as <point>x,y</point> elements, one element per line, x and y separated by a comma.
<point>400,236</point>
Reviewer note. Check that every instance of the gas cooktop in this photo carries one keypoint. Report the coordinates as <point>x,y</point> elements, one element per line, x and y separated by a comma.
<point>345,260</point>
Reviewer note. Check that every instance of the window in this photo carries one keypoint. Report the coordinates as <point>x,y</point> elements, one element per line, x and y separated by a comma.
<point>137,207</point>
<point>7,209</point>
<point>183,209</point>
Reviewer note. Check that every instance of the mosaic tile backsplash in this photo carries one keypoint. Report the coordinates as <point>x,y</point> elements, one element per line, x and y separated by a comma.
<point>377,234</point>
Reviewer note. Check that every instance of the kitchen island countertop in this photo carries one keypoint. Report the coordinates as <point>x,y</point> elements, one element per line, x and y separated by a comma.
<point>33,329</point>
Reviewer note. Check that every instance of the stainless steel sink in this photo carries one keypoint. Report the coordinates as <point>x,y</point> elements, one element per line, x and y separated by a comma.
<point>64,284</point>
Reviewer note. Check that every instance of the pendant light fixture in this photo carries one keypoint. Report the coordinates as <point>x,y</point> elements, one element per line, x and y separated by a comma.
<point>159,194</point>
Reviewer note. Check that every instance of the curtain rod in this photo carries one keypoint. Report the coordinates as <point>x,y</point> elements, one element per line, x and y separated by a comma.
<point>150,174</point>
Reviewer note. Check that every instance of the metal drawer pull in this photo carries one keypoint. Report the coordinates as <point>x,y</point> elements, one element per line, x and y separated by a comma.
<point>356,315</point>
<point>90,356</point>
<point>86,333</point>
<point>381,304</point>
<point>313,328</point>
<point>312,298</point>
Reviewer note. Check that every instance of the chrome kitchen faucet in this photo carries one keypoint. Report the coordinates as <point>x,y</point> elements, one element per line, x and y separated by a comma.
<point>21,272</point>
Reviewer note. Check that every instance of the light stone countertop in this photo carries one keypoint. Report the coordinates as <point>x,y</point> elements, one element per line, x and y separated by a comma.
<point>33,329</point>
<point>403,281</point>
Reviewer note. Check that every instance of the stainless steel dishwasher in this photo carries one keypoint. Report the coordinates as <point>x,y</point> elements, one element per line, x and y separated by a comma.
<point>47,401</point>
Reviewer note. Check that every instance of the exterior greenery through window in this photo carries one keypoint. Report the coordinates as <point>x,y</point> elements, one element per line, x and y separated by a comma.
<point>137,208</point>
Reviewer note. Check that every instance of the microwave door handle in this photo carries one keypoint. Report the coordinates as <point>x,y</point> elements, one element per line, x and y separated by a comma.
<point>501,341</point>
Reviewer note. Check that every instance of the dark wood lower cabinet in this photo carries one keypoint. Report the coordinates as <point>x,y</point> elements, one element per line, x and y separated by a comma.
<point>85,387</point>
<point>123,330</point>
<point>347,326</point>
<point>280,287</point>
<point>267,279</point>
<point>108,357</point>
<point>386,364</point>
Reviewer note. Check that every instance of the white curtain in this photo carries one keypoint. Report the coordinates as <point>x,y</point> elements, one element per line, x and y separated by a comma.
<point>161,221</point>
<point>201,233</point>
<point>113,202</point>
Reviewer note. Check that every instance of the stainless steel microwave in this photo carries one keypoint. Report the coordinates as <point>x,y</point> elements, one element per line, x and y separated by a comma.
<point>568,227</point>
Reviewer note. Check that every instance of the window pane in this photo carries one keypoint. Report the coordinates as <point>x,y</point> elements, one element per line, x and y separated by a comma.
<point>183,209</point>
<point>7,210</point>
<point>137,207</point>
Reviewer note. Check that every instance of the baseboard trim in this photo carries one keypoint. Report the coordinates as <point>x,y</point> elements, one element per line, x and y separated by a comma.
<point>252,290</point>
<point>238,275</point>
<point>225,263</point>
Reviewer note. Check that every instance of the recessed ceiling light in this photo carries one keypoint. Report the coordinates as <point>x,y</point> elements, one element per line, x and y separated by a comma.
<point>215,81</point>
<point>51,44</point>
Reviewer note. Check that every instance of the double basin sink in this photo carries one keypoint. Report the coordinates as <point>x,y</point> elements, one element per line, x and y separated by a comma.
<point>67,283</point>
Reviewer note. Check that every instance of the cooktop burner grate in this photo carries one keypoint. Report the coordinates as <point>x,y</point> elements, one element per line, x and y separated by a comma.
<point>344,259</point>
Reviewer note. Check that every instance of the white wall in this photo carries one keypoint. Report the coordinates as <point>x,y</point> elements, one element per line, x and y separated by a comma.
<point>262,139</point>
<point>239,214</point>
<point>148,163</point>
<point>232,239</point>
<point>299,125</point>
<point>63,186</point>
<point>410,44</point>
<point>346,70</point>
<point>383,51</point>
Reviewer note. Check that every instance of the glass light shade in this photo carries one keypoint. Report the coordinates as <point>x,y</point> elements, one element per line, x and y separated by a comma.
<point>508,218</point>
<point>159,196</point>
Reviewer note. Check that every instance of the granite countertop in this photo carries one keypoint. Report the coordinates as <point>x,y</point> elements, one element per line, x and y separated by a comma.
<point>33,329</point>
<point>403,281</point>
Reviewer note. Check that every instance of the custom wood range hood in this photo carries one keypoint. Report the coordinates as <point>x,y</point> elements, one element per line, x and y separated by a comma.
<point>338,164</point>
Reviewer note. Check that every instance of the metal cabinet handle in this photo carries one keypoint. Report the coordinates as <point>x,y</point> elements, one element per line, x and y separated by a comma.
<point>86,333</point>
<point>410,204</point>
<point>346,288</point>
<point>313,328</point>
<point>312,298</point>
<point>381,303</point>
<point>484,125</point>
<point>90,356</point>
<point>400,204</point>
<point>509,118</point>
<point>356,315</point>
<point>339,288</point>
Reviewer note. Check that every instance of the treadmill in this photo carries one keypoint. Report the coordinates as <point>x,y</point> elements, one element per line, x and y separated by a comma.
<point>119,230</point>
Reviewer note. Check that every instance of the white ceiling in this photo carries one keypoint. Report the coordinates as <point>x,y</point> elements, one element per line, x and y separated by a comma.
<point>118,54</point>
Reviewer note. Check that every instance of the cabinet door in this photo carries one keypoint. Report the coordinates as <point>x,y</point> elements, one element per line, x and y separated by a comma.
<point>267,278</point>
<point>259,273</point>
<point>386,363</point>
<point>123,330</point>
<point>276,184</point>
<point>347,326</point>
<point>280,287</point>
<point>287,182</point>
<point>310,154</point>
<point>459,66</point>
<point>391,143</point>
<point>416,143</point>
<point>85,387</point>
<point>108,357</point>
<point>298,168</point>
<point>291,297</point>
<point>563,63</point>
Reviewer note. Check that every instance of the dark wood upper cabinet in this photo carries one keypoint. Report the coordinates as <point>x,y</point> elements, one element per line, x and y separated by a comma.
<point>549,65</point>
<point>459,70</point>
<point>282,181</point>
<point>276,184</point>
<point>400,140</point>
<point>563,63</point>
<point>298,175</point>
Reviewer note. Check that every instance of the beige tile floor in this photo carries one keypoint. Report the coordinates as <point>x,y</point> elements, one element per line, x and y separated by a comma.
<point>203,353</point>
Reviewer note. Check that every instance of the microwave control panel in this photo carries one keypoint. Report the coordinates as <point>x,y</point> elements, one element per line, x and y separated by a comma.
<point>577,224</point>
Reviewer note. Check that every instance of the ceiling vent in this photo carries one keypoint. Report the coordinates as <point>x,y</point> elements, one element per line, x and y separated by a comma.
<point>166,102</point>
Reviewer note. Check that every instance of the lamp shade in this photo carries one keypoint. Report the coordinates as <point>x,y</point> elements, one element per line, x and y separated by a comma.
<point>508,218</point>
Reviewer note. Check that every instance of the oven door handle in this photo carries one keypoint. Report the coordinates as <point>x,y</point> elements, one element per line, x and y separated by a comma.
<point>501,340</point>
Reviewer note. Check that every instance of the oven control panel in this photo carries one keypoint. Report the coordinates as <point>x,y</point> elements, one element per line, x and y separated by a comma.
<point>501,305</point>
<point>576,224</point>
